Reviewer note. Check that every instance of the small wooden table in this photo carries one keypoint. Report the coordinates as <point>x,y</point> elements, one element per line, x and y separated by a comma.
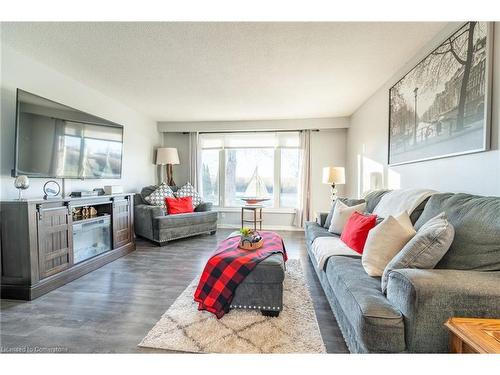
<point>257,216</point>
<point>471,335</point>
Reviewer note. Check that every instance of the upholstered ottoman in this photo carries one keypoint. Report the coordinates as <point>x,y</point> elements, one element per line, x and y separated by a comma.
<point>262,289</point>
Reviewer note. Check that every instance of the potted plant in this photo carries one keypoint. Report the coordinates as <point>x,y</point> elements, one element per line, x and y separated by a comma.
<point>250,239</point>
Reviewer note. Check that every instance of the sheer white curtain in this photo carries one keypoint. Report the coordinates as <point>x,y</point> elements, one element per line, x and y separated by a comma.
<point>304,211</point>
<point>194,156</point>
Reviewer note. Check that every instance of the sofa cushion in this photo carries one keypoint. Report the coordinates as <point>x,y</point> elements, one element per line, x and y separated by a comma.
<point>376,323</point>
<point>324,247</point>
<point>147,191</point>
<point>204,206</point>
<point>476,220</point>
<point>418,211</point>
<point>373,198</point>
<point>313,230</point>
<point>177,206</point>
<point>157,197</point>
<point>424,250</point>
<point>189,191</point>
<point>385,241</point>
<point>356,230</point>
<point>341,214</point>
<point>348,202</point>
<point>189,219</point>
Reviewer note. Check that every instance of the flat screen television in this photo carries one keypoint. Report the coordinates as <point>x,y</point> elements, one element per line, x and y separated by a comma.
<point>57,141</point>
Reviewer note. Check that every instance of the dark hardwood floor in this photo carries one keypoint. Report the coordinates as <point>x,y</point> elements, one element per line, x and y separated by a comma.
<point>112,308</point>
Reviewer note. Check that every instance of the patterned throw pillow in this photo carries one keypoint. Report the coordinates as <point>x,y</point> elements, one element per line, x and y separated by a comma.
<point>157,197</point>
<point>189,191</point>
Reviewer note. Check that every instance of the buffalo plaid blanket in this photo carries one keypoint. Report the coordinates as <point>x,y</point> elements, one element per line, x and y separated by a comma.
<point>228,267</point>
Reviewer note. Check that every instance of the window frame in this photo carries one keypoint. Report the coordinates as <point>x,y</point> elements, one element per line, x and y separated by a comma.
<point>221,206</point>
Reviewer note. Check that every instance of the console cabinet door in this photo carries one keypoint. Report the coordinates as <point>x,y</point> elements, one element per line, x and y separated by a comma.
<point>55,240</point>
<point>122,222</point>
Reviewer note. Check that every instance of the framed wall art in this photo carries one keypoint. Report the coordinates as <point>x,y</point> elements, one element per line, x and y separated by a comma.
<point>441,107</point>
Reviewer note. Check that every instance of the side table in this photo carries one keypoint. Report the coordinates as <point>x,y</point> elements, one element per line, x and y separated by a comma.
<point>256,218</point>
<point>471,335</point>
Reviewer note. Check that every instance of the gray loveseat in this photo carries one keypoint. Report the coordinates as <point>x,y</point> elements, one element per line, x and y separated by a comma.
<point>410,317</point>
<point>153,223</point>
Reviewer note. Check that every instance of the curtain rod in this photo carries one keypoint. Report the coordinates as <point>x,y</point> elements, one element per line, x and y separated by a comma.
<point>253,131</point>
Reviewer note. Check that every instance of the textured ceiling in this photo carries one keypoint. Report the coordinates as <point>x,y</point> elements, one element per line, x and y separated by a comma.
<point>227,71</point>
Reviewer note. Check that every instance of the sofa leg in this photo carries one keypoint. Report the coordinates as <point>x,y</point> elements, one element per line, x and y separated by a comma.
<point>213,232</point>
<point>161,244</point>
<point>273,314</point>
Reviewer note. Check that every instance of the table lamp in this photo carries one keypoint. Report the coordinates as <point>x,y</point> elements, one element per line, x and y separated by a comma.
<point>333,176</point>
<point>168,156</point>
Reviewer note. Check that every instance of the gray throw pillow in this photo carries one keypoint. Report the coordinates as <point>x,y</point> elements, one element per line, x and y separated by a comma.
<point>425,249</point>
<point>348,202</point>
<point>147,191</point>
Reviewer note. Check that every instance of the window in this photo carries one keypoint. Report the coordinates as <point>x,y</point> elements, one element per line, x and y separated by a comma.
<point>289,179</point>
<point>246,169</point>
<point>210,176</point>
<point>262,164</point>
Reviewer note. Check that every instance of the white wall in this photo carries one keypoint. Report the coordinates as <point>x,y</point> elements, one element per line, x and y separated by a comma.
<point>367,145</point>
<point>140,133</point>
<point>328,148</point>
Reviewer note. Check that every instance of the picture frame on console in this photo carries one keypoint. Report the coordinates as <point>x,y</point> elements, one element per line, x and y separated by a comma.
<point>442,106</point>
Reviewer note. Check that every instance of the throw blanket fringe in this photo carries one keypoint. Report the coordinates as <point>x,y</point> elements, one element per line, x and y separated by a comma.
<point>227,269</point>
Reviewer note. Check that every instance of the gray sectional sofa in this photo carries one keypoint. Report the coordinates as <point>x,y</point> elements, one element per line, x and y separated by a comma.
<point>410,317</point>
<point>153,223</point>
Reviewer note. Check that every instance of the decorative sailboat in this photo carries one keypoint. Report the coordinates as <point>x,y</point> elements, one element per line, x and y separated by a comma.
<point>256,190</point>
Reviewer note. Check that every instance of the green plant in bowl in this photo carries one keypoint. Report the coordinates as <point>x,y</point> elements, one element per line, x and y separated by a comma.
<point>246,235</point>
<point>246,232</point>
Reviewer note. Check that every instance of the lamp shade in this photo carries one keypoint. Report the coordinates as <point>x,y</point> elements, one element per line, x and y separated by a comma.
<point>167,155</point>
<point>334,175</point>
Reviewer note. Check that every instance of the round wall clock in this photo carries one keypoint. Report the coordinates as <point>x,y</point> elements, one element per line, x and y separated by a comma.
<point>51,189</point>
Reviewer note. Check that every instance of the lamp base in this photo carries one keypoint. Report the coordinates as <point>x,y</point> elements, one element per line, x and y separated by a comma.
<point>333,193</point>
<point>170,179</point>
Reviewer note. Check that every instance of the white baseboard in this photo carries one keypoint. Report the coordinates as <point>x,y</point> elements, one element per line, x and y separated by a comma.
<point>264,227</point>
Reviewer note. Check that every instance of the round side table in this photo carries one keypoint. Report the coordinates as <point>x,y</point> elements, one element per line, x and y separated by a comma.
<point>256,216</point>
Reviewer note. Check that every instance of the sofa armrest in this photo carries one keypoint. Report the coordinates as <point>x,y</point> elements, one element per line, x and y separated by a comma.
<point>321,218</point>
<point>203,207</point>
<point>147,210</point>
<point>427,298</point>
<point>143,219</point>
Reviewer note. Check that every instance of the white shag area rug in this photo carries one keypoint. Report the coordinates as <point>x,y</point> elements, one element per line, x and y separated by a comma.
<point>183,328</point>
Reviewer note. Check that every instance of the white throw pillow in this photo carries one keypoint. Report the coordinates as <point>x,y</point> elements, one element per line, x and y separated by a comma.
<point>340,215</point>
<point>385,241</point>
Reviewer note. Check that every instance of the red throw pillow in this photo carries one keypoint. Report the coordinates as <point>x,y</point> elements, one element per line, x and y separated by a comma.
<point>356,230</point>
<point>179,205</point>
